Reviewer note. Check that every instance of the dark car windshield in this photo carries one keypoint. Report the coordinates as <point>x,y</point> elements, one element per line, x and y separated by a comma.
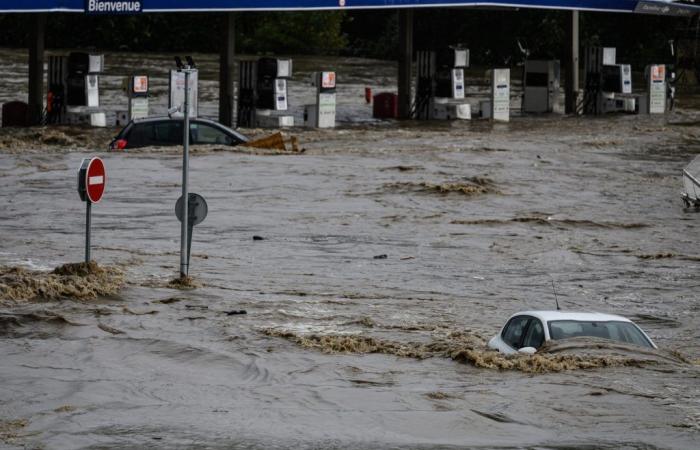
<point>617,331</point>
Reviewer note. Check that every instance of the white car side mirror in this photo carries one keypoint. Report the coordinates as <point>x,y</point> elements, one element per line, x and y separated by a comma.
<point>528,350</point>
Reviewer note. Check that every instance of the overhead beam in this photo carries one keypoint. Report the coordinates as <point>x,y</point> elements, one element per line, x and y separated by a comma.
<point>405,61</point>
<point>571,84</point>
<point>227,72</point>
<point>36,68</point>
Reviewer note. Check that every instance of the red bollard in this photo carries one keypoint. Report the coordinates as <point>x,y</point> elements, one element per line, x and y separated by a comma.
<point>368,95</point>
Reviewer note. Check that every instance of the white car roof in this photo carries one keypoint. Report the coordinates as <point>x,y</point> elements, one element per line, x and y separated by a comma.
<point>548,316</point>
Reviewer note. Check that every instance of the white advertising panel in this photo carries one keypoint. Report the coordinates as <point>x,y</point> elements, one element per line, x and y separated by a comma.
<point>177,92</point>
<point>500,94</point>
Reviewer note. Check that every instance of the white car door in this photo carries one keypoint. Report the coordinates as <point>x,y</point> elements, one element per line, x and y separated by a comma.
<point>510,339</point>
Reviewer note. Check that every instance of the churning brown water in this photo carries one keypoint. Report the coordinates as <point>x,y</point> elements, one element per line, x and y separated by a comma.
<point>385,259</point>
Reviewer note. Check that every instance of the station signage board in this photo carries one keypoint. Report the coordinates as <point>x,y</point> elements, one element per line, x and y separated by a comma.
<point>130,6</point>
<point>662,8</point>
<point>113,7</point>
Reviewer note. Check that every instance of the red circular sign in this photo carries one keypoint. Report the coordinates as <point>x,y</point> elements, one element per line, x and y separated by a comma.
<point>95,180</point>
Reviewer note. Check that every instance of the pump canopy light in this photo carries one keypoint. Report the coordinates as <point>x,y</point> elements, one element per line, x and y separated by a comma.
<point>133,6</point>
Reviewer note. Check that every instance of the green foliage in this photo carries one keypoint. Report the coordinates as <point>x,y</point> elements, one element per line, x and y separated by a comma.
<point>372,33</point>
<point>303,32</point>
<point>292,32</point>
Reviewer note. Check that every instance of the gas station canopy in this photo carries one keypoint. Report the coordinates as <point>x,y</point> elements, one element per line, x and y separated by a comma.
<point>163,6</point>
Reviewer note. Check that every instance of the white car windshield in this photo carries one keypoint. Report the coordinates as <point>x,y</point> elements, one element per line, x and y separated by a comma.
<point>617,331</point>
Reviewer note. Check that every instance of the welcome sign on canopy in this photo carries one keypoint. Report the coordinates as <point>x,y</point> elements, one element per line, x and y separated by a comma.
<point>113,6</point>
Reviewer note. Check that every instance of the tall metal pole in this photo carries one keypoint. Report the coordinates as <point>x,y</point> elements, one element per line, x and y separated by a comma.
<point>405,61</point>
<point>226,72</point>
<point>88,223</point>
<point>36,69</point>
<point>572,57</point>
<point>184,269</point>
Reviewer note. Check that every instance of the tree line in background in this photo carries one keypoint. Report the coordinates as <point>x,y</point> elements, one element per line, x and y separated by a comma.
<point>492,36</point>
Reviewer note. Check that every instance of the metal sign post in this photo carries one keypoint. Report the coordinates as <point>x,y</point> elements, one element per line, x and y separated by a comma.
<point>92,179</point>
<point>184,261</point>
<point>88,226</point>
<point>188,70</point>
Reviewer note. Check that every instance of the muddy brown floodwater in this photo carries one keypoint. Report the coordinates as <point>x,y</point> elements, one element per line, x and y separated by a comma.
<point>372,269</point>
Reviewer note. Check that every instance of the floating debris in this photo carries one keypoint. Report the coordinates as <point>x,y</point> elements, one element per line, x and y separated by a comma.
<point>470,187</point>
<point>108,329</point>
<point>10,430</point>
<point>184,283</point>
<point>438,395</point>
<point>169,300</point>
<point>401,168</point>
<point>65,408</point>
<point>60,139</point>
<point>551,221</point>
<point>77,281</point>
<point>276,142</point>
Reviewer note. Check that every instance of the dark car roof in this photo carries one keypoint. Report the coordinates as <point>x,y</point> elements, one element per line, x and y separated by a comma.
<point>154,119</point>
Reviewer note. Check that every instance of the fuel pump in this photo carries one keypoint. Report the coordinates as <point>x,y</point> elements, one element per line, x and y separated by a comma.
<point>656,90</point>
<point>498,106</point>
<point>74,90</point>
<point>245,109</point>
<point>271,95</point>
<point>671,76</point>
<point>440,84</point>
<point>322,114</point>
<point>138,96</point>
<point>56,95</point>
<point>83,79</point>
<point>608,85</point>
<point>541,82</point>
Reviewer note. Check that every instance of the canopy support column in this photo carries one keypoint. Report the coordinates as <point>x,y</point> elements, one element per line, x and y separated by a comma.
<point>227,72</point>
<point>572,55</point>
<point>36,69</point>
<point>405,61</point>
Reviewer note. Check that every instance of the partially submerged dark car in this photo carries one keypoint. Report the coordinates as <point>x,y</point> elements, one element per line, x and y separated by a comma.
<point>165,131</point>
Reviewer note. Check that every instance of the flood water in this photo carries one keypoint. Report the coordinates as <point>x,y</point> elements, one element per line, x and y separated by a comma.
<point>372,267</point>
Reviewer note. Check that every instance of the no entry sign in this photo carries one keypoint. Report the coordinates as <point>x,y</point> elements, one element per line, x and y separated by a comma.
<point>92,179</point>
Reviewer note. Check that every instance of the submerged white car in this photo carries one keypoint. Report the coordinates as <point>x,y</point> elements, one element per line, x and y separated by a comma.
<point>527,331</point>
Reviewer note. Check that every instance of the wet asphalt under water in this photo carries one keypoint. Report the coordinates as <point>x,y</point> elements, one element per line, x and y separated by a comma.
<point>591,203</point>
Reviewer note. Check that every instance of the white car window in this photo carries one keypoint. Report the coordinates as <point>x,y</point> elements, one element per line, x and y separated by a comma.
<point>535,334</point>
<point>617,331</point>
<point>513,332</point>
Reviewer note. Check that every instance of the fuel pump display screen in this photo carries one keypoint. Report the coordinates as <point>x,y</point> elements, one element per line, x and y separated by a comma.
<point>140,85</point>
<point>612,79</point>
<point>328,80</point>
